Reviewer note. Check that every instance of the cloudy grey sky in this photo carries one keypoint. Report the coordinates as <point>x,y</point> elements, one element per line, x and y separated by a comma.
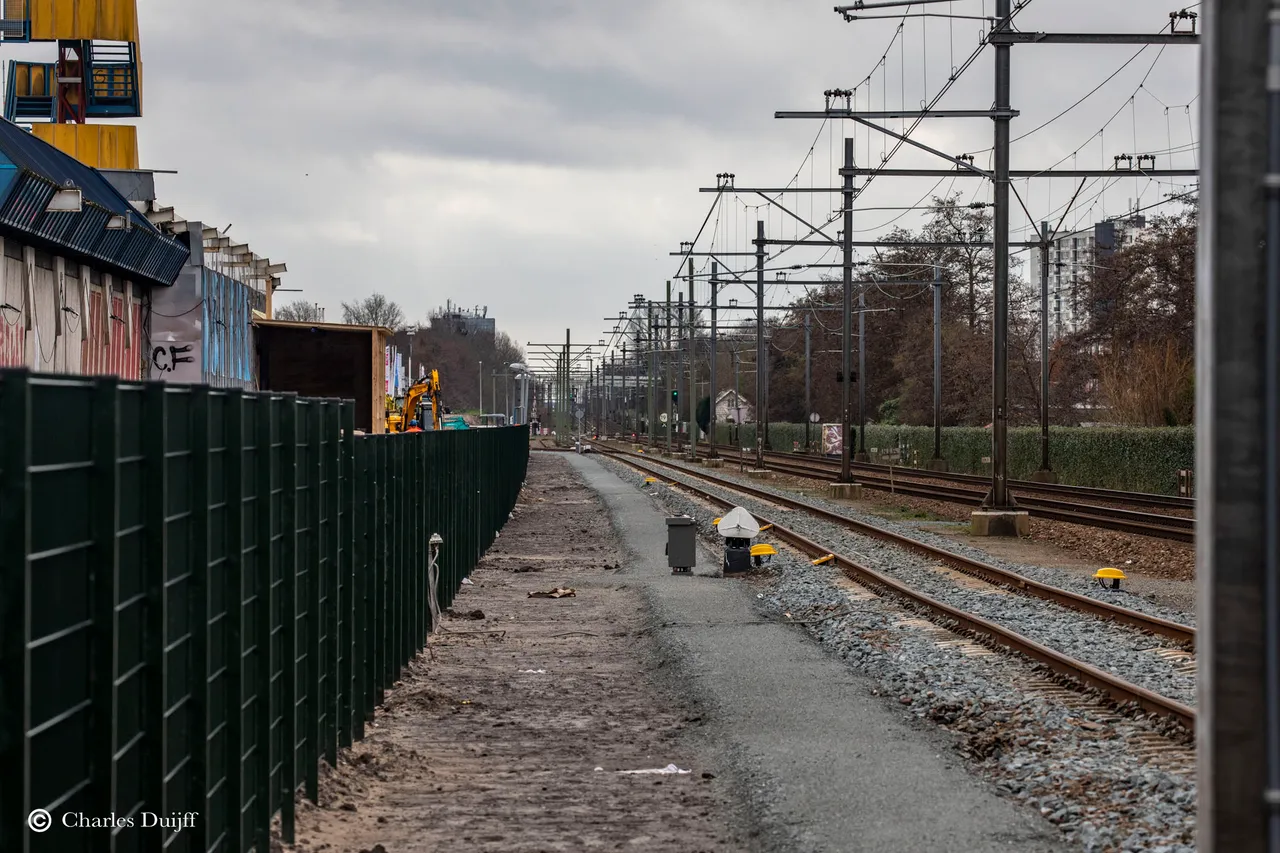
<point>542,157</point>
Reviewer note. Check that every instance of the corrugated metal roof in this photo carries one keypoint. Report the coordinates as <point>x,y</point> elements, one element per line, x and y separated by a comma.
<point>328,327</point>
<point>37,170</point>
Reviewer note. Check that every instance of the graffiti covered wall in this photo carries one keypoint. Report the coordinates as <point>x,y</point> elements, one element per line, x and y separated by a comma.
<point>202,328</point>
<point>52,318</point>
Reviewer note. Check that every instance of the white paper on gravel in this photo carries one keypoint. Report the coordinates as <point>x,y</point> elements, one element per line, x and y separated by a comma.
<point>669,770</point>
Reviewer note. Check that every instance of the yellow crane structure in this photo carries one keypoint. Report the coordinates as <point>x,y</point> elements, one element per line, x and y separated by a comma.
<point>428,388</point>
<point>96,75</point>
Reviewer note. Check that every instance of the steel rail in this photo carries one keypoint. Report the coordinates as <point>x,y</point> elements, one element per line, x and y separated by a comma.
<point>1168,527</point>
<point>986,571</point>
<point>1134,498</point>
<point>1175,528</point>
<point>1114,495</point>
<point>1121,691</point>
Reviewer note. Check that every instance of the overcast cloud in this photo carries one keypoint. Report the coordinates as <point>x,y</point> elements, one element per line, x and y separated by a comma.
<point>542,157</point>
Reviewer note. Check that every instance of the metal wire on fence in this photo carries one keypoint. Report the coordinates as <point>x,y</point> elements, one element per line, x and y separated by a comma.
<point>204,593</point>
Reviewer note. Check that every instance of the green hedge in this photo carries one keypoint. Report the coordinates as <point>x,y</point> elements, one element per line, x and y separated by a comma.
<point>1131,458</point>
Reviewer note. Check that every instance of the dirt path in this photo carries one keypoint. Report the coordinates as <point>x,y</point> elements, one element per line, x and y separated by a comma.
<point>509,737</point>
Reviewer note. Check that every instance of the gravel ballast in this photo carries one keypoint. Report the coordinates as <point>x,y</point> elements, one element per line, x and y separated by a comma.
<point>1086,769</point>
<point>1118,649</point>
<point>1047,575</point>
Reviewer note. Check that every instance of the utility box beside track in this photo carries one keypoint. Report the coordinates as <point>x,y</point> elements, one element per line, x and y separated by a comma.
<point>682,544</point>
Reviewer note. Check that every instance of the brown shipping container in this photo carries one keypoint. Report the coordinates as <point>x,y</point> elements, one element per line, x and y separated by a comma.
<point>327,360</point>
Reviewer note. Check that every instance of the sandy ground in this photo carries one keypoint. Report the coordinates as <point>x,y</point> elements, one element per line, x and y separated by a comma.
<point>508,734</point>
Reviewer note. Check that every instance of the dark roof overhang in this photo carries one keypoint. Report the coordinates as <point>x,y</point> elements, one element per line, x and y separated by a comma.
<point>31,174</point>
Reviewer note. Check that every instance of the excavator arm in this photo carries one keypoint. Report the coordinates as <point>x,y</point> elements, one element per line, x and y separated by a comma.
<point>428,387</point>
<point>437,401</point>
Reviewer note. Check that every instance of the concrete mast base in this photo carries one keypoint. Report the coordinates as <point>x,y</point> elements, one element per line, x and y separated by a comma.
<point>1000,523</point>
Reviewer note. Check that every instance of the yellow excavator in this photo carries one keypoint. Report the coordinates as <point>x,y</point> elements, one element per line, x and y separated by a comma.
<point>428,387</point>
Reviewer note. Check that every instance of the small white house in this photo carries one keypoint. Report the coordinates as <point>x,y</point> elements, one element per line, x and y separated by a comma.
<point>734,409</point>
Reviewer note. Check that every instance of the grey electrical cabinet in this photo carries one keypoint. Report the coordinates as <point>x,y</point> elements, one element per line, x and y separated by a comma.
<point>682,543</point>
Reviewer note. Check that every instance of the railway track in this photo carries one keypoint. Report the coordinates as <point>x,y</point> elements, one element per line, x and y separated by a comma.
<point>1119,690</point>
<point>832,466</point>
<point>1170,527</point>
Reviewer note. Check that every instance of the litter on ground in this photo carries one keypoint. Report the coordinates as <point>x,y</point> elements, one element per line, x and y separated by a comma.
<point>558,592</point>
<point>669,770</point>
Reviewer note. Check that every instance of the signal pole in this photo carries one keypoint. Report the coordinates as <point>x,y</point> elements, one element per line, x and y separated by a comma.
<point>679,356</point>
<point>846,352</point>
<point>808,397</point>
<point>652,401</point>
<point>999,499</point>
<point>937,463</point>
<point>1045,474</point>
<point>862,455</point>
<point>670,413</point>
<point>711,392</point>
<point>760,356</point>
<point>693,370</point>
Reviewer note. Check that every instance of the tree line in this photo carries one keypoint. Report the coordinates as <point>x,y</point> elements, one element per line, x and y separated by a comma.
<point>1130,362</point>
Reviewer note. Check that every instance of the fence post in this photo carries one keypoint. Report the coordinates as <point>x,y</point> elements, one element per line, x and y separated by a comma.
<point>105,504</point>
<point>401,593</point>
<point>15,548</point>
<point>354,491</point>
<point>422,535</point>
<point>313,556</point>
<point>198,613</point>
<point>233,593</point>
<point>266,409</point>
<point>289,597</point>
<point>155,549</point>
<point>335,586</point>
<point>382,574</point>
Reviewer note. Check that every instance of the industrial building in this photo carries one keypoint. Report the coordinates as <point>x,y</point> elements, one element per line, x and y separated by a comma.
<point>464,321</point>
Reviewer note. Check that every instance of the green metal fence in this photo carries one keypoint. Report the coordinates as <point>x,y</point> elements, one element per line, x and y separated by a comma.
<point>204,593</point>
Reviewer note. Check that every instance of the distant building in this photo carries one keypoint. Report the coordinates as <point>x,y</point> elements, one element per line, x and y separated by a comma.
<point>1072,260</point>
<point>733,409</point>
<point>464,321</point>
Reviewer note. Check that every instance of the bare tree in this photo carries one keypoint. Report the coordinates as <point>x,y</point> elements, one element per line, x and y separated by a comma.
<point>374,310</point>
<point>300,311</point>
<point>1151,383</point>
